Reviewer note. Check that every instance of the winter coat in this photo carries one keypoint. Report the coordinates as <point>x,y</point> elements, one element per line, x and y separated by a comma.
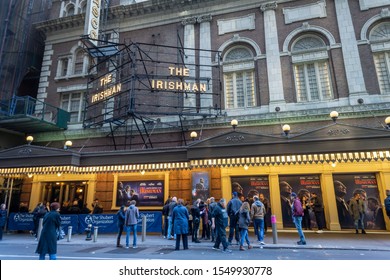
<point>356,208</point>
<point>244,219</point>
<point>257,210</point>
<point>297,210</point>
<point>180,218</point>
<point>121,217</point>
<point>48,240</point>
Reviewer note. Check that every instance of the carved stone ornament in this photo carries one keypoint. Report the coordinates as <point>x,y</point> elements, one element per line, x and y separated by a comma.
<point>338,132</point>
<point>268,6</point>
<point>204,18</point>
<point>235,138</point>
<point>25,151</point>
<point>190,20</point>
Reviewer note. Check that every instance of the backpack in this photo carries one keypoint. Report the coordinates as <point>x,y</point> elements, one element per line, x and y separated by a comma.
<point>387,206</point>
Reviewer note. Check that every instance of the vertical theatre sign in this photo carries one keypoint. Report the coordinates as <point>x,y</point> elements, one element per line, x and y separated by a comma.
<point>91,28</point>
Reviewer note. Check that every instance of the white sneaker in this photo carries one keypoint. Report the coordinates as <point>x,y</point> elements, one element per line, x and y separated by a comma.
<point>135,247</point>
<point>127,247</point>
<point>262,243</point>
<point>319,231</point>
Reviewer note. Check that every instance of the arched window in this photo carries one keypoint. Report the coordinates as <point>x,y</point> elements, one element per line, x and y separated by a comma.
<point>239,78</point>
<point>79,62</point>
<point>69,10</point>
<point>83,6</point>
<point>311,69</point>
<point>379,38</point>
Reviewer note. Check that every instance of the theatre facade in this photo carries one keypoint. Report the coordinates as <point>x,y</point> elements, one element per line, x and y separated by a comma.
<point>197,99</point>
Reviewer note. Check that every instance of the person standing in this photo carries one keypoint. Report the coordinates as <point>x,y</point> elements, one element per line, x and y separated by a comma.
<point>3,219</point>
<point>243,223</point>
<point>170,212</point>
<point>387,203</point>
<point>180,218</point>
<point>212,206</point>
<point>38,213</point>
<point>131,221</point>
<point>267,207</point>
<point>297,214</point>
<point>47,243</point>
<point>165,213</point>
<point>195,213</point>
<point>357,210</point>
<point>257,215</point>
<point>219,223</point>
<point>233,209</point>
<point>97,207</point>
<point>318,208</point>
<point>121,215</point>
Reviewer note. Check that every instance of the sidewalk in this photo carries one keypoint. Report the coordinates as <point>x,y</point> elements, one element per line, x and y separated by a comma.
<point>346,240</point>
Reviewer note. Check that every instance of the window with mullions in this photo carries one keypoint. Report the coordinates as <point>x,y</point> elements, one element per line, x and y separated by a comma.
<point>74,104</point>
<point>311,70</point>
<point>379,37</point>
<point>239,79</point>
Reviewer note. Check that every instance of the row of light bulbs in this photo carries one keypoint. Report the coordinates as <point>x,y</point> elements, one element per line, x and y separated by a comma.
<point>286,128</point>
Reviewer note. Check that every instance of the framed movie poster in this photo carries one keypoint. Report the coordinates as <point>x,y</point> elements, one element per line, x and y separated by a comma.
<point>303,186</point>
<point>144,192</point>
<point>345,186</point>
<point>248,186</point>
<point>200,185</point>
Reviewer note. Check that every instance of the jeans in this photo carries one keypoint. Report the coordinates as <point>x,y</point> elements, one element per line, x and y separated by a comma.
<point>51,256</point>
<point>134,229</point>
<point>298,224</point>
<point>258,225</point>
<point>169,235</point>
<point>233,229</point>
<point>220,238</point>
<point>244,236</point>
<point>361,220</point>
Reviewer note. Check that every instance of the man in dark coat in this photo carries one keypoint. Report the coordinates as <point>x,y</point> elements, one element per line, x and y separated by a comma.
<point>3,219</point>
<point>219,223</point>
<point>180,218</point>
<point>121,223</point>
<point>233,208</point>
<point>47,243</point>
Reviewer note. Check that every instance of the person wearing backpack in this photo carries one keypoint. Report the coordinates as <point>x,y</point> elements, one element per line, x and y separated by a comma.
<point>297,214</point>
<point>387,203</point>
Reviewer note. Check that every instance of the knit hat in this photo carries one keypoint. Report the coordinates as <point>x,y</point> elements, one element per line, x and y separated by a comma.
<point>235,193</point>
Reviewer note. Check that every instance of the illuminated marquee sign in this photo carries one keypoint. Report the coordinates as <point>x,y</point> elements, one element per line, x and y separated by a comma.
<point>110,90</point>
<point>106,93</point>
<point>92,20</point>
<point>178,85</point>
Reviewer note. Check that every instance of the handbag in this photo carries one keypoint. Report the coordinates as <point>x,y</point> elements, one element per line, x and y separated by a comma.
<point>60,234</point>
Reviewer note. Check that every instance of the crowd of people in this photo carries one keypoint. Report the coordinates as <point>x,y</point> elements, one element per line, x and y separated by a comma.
<point>208,220</point>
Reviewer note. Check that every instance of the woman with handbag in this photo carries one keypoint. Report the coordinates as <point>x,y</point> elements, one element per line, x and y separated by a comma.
<point>47,243</point>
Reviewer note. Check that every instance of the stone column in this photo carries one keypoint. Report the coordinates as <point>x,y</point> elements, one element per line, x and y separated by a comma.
<point>352,63</point>
<point>205,74</point>
<point>189,57</point>
<point>274,68</point>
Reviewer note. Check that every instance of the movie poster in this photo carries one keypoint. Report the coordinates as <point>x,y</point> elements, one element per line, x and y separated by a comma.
<point>302,185</point>
<point>200,186</point>
<point>247,187</point>
<point>145,193</point>
<point>345,186</point>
